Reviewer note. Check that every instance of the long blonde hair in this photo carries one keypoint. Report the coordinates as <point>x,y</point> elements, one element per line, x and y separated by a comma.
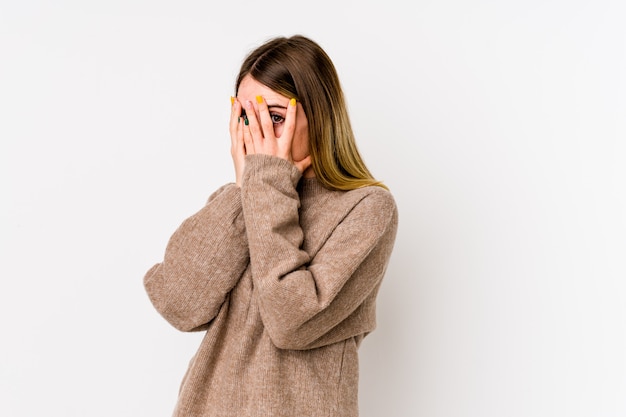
<point>298,67</point>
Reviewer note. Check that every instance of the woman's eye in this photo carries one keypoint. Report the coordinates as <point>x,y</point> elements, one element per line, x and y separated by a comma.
<point>277,118</point>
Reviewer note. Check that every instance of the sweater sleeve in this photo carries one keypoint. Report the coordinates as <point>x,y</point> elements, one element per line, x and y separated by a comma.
<point>304,301</point>
<point>204,259</point>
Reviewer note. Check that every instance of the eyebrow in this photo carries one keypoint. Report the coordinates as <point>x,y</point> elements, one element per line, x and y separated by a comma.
<point>271,106</point>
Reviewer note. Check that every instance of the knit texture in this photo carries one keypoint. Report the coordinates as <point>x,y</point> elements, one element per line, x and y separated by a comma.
<point>282,274</point>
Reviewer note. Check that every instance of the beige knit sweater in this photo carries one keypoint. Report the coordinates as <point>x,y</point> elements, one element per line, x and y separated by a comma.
<point>282,274</point>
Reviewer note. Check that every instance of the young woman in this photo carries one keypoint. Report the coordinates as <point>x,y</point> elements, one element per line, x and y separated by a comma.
<point>281,268</point>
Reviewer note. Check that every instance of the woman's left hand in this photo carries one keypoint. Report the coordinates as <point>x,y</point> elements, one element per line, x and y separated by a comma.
<point>259,136</point>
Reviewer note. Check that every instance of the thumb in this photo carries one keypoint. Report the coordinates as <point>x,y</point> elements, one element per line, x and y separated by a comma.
<point>303,164</point>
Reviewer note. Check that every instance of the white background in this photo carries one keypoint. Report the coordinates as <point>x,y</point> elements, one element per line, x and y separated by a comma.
<point>500,127</point>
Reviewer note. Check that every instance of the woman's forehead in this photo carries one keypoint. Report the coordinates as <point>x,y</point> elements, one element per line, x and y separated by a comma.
<point>249,88</point>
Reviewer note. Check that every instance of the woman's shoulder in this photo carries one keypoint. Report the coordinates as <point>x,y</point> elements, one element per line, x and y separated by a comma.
<point>369,199</point>
<point>375,193</point>
<point>374,199</point>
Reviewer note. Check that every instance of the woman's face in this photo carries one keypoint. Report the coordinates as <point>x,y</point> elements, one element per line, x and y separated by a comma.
<point>277,104</point>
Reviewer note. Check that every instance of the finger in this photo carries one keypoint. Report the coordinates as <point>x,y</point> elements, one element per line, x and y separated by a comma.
<point>267,126</point>
<point>247,135</point>
<point>253,126</point>
<point>303,164</point>
<point>290,117</point>
<point>235,111</point>
<point>239,141</point>
<point>290,124</point>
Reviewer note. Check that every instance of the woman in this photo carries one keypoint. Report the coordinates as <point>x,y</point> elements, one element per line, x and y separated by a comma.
<point>280,269</point>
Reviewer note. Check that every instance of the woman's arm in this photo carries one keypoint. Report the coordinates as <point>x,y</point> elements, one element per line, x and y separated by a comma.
<point>203,261</point>
<point>308,302</point>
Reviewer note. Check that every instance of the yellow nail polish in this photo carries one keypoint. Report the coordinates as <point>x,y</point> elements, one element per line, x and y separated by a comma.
<point>232,100</point>
<point>259,99</point>
<point>292,102</point>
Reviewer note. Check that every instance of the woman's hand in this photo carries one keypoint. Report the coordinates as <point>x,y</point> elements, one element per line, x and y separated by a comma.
<point>237,146</point>
<point>252,134</point>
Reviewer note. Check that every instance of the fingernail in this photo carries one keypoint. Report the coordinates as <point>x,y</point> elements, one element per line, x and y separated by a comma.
<point>232,100</point>
<point>245,121</point>
<point>292,102</point>
<point>259,99</point>
<point>248,104</point>
<point>239,120</point>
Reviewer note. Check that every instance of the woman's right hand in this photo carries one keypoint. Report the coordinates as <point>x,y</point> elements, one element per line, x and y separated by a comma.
<point>238,149</point>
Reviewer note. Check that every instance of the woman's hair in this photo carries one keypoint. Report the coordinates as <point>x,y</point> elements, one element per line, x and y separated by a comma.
<point>297,67</point>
